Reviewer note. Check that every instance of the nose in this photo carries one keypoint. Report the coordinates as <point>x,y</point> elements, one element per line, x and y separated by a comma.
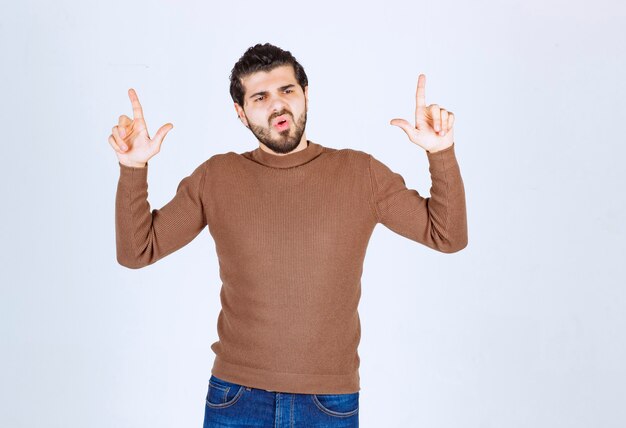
<point>278,104</point>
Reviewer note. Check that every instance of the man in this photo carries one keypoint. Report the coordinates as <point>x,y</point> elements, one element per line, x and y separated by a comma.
<point>291,221</point>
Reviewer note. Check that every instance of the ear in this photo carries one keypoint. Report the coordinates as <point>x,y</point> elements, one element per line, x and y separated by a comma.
<point>241,114</point>
<point>306,93</point>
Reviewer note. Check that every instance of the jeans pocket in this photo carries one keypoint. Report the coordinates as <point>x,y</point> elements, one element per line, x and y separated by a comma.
<point>222,393</point>
<point>339,405</point>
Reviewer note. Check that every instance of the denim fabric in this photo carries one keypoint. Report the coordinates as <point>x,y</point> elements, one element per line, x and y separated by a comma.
<point>232,405</point>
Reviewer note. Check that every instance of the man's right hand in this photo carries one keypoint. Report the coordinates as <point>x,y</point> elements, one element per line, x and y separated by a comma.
<point>130,138</point>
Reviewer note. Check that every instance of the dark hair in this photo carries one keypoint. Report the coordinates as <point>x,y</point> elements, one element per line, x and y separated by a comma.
<point>264,57</point>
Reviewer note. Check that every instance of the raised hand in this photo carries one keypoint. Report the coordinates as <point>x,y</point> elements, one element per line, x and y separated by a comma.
<point>130,138</point>
<point>433,125</point>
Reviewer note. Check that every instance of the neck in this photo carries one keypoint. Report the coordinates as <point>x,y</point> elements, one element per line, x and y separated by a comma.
<point>301,146</point>
<point>298,156</point>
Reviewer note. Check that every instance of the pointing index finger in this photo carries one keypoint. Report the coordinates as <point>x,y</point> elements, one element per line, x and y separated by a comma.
<point>137,111</point>
<point>421,89</point>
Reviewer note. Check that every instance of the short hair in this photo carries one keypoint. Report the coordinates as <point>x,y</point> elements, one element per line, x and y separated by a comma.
<point>262,57</point>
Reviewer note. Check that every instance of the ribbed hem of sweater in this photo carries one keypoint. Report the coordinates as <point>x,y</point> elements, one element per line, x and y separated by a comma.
<point>286,382</point>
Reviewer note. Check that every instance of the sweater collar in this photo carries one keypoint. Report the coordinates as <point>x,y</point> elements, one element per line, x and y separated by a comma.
<point>310,152</point>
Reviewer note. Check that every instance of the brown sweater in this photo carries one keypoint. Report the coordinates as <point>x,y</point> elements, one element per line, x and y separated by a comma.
<point>290,234</point>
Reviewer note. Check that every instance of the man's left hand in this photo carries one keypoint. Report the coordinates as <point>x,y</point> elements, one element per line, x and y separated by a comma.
<point>433,130</point>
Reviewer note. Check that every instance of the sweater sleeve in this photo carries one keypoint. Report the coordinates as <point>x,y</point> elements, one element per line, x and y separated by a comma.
<point>438,221</point>
<point>144,236</point>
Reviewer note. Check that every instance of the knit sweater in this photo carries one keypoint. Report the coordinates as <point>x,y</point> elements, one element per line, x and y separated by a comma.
<point>290,234</point>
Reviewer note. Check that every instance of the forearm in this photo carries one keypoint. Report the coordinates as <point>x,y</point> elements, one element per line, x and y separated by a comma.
<point>447,205</point>
<point>133,218</point>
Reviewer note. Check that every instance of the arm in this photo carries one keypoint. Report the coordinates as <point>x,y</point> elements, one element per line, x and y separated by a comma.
<point>439,221</point>
<point>144,236</point>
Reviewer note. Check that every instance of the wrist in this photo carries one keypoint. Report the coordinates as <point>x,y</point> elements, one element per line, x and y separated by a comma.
<point>134,164</point>
<point>440,149</point>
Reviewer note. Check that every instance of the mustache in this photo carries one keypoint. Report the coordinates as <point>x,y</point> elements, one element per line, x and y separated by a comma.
<point>280,114</point>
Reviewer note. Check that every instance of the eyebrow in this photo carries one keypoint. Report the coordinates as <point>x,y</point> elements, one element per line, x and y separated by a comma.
<point>282,88</point>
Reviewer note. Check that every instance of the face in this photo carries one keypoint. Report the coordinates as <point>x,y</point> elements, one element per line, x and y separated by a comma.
<point>275,108</point>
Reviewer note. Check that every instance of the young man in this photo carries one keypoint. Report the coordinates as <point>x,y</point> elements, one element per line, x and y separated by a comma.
<point>291,221</point>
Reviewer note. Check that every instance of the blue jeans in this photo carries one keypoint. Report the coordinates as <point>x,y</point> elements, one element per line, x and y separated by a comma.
<point>237,406</point>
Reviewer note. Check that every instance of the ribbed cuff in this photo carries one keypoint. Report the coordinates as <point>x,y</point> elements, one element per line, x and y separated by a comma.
<point>132,174</point>
<point>443,159</point>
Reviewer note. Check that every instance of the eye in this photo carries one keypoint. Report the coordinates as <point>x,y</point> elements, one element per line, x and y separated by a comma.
<point>258,99</point>
<point>288,90</point>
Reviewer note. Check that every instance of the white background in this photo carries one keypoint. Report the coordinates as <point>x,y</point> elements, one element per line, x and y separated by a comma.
<point>525,327</point>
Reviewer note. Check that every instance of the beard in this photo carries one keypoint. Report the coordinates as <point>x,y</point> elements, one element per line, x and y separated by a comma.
<point>288,139</point>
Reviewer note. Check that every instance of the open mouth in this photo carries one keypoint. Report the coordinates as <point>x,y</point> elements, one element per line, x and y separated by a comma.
<point>281,124</point>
